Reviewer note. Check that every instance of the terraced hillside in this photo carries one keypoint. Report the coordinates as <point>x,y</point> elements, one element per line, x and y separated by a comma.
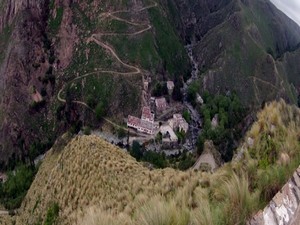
<point>93,182</point>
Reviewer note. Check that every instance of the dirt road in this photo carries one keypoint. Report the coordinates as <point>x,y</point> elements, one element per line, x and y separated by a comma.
<point>97,39</point>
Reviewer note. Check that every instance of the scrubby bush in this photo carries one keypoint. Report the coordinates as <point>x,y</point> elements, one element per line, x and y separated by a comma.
<point>52,214</point>
<point>15,188</point>
<point>100,110</point>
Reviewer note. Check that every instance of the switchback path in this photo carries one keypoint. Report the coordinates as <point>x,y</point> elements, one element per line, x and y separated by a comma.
<point>97,39</point>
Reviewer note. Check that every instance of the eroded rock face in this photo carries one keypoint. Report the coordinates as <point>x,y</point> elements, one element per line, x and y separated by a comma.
<point>24,62</point>
<point>11,8</point>
<point>284,208</point>
<point>27,70</point>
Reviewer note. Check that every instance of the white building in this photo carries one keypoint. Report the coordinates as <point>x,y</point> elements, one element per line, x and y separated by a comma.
<point>166,130</point>
<point>170,86</point>
<point>215,121</point>
<point>146,124</point>
<point>161,104</point>
<point>199,99</point>
<point>178,122</point>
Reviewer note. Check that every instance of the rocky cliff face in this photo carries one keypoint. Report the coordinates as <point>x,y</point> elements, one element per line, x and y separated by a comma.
<point>24,64</point>
<point>284,207</point>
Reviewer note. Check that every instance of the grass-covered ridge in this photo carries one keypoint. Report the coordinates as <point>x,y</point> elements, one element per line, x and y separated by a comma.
<point>93,182</point>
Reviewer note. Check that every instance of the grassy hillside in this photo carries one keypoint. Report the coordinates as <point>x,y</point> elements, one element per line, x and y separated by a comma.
<point>92,182</point>
<point>237,46</point>
<point>288,65</point>
<point>140,35</point>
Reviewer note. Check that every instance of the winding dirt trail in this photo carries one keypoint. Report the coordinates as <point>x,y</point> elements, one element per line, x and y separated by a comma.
<point>97,39</point>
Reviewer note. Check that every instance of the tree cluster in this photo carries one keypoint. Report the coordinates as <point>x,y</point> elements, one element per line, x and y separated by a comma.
<point>229,112</point>
<point>15,188</point>
<point>181,161</point>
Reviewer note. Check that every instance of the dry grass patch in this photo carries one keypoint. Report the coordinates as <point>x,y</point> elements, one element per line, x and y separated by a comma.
<point>94,182</point>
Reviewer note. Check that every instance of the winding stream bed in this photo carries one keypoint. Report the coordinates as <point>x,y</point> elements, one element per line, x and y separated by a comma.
<point>194,125</point>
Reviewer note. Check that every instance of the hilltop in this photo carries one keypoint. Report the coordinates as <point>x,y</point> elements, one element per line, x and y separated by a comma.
<point>93,182</point>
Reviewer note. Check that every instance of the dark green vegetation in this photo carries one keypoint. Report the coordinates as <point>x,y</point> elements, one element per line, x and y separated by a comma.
<point>169,45</point>
<point>54,23</point>
<point>228,112</point>
<point>4,39</point>
<point>182,161</point>
<point>52,214</point>
<point>241,46</point>
<point>15,188</point>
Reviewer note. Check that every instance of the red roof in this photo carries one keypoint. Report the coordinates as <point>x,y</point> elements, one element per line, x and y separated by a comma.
<point>147,125</point>
<point>161,102</point>
<point>147,114</point>
<point>134,120</point>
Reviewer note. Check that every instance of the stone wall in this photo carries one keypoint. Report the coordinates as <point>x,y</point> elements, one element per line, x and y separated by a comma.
<point>284,207</point>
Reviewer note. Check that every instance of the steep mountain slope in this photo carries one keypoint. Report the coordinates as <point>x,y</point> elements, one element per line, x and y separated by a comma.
<point>237,45</point>
<point>66,63</point>
<point>60,59</point>
<point>23,61</point>
<point>94,182</point>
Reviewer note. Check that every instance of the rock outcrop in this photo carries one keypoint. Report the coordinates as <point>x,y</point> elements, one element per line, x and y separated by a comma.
<point>284,209</point>
<point>23,68</point>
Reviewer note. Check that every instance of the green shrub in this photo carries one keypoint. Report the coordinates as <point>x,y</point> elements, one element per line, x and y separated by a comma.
<point>187,116</point>
<point>52,214</point>
<point>136,151</point>
<point>230,113</point>
<point>121,133</point>
<point>100,110</point>
<point>15,188</point>
<point>87,130</point>
<point>54,23</point>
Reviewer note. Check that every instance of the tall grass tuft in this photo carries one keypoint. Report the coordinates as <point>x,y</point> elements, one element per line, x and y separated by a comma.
<point>239,201</point>
<point>159,211</point>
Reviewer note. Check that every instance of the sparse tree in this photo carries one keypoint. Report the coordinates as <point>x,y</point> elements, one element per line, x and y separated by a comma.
<point>136,151</point>
<point>100,110</point>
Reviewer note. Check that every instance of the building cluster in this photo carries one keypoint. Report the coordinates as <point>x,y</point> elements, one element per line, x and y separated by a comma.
<point>178,122</point>
<point>144,124</point>
<point>168,130</point>
<point>160,104</point>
